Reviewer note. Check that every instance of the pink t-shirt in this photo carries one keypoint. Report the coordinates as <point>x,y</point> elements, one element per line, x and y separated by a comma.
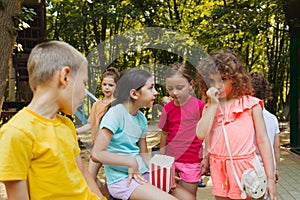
<point>180,123</point>
<point>239,127</point>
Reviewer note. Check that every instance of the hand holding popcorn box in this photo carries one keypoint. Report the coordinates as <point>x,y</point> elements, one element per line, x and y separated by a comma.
<point>162,172</point>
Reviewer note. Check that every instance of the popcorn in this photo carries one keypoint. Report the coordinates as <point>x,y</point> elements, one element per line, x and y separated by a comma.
<point>162,172</point>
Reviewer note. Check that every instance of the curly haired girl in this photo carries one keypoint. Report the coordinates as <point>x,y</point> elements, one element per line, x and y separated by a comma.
<point>227,86</point>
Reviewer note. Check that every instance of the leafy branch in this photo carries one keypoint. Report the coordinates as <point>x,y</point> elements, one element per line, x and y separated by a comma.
<point>25,15</point>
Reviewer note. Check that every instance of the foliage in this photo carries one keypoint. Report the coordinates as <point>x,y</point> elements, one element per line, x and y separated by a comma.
<point>23,17</point>
<point>256,29</point>
<point>3,4</point>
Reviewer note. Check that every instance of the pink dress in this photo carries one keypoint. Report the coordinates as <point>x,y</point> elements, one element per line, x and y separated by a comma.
<point>237,117</point>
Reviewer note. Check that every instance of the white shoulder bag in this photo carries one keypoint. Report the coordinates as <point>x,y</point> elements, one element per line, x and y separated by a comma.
<point>254,181</point>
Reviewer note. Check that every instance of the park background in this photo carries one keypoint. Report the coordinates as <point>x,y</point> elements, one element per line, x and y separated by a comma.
<point>265,33</point>
<point>259,31</point>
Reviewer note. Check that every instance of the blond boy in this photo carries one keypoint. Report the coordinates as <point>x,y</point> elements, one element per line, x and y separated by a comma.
<point>40,157</point>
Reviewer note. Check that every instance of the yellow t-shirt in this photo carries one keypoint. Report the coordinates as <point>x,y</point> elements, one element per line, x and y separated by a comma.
<point>42,151</point>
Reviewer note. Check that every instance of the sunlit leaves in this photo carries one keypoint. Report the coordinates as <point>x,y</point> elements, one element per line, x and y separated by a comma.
<point>256,29</point>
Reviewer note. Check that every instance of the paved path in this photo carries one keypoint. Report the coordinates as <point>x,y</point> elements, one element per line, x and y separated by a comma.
<point>288,188</point>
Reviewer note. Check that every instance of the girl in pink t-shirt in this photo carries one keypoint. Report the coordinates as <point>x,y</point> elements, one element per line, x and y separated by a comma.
<point>178,123</point>
<point>227,86</point>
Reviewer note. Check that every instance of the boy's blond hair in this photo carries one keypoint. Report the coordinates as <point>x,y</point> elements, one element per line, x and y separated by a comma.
<point>48,57</point>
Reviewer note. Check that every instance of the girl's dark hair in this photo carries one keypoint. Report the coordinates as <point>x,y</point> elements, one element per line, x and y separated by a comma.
<point>262,88</point>
<point>132,79</point>
<point>180,68</point>
<point>227,63</point>
<point>111,72</point>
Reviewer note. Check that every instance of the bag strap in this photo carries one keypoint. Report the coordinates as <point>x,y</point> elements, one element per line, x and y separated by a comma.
<point>243,195</point>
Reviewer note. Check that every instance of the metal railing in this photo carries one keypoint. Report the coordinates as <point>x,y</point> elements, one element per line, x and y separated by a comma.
<point>80,113</point>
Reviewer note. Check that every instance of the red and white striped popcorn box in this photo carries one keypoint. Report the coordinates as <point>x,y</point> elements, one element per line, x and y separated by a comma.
<point>162,172</point>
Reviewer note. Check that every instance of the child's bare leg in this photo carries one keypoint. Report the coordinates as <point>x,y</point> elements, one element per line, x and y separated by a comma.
<point>93,168</point>
<point>149,192</point>
<point>180,193</point>
<point>191,187</point>
<point>103,188</point>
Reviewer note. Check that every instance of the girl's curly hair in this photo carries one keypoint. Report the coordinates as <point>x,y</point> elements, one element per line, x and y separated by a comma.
<point>228,64</point>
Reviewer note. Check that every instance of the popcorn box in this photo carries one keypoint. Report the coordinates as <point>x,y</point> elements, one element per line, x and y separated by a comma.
<point>162,172</point>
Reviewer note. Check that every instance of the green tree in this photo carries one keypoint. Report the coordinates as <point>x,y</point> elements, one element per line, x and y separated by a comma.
<point>9,9</point>
<point>255,29</point>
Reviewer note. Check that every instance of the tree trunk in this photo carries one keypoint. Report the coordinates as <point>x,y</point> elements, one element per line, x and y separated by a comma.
<point>12,81</point>
<point>7,38</point>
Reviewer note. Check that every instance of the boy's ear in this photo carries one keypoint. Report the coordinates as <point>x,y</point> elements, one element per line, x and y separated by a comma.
<point>133,94</point>
<point>64,75</point>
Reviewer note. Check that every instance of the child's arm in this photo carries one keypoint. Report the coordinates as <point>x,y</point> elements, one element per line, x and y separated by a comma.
<point>204,165</point>
<point>163,142</point>
<point>99,154</point>
<point>85,128</point>
<point>205,123</point>
<point>277,156</point>
<point>264,146</point>
<point>88,177</point>
<point>144,150</point>
<point>16,190</point>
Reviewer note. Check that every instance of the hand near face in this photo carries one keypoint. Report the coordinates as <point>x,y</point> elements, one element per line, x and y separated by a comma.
<point>213,95</point>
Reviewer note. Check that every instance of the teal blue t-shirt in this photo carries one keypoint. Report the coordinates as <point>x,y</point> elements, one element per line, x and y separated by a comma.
<point>127,130</point>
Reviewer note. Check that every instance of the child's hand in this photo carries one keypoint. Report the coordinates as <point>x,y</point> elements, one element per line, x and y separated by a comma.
<point>177,178</point>
<point>277,177</point>
<point>133,172</point>
<point>213,94</point>
<point>271,190</point>
<point>204,165</point>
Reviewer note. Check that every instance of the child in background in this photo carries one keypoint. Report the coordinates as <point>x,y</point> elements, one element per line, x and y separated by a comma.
<point>263,91</point>
<point>227,86</point>
<point>40,157</point>
<point>121,143</point>
<point>109,80</point>
<point>178,124</point>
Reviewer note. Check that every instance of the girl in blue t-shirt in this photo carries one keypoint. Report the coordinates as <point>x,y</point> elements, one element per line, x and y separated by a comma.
<point>121,143</point>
